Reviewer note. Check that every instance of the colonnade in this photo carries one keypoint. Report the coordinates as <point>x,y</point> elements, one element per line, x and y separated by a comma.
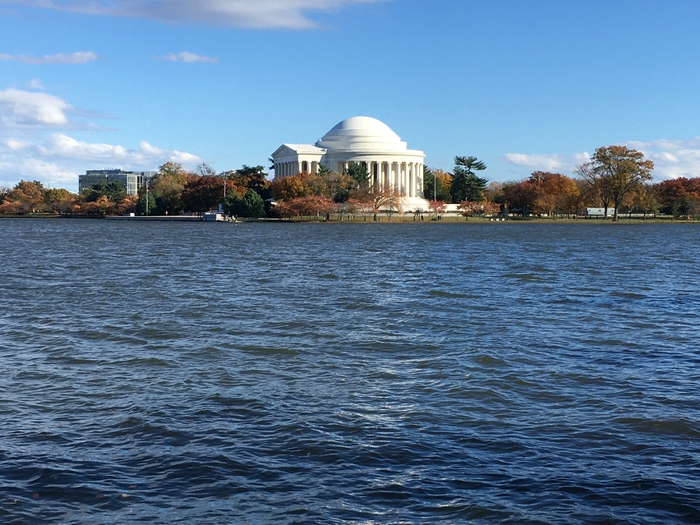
<point>406,178</point>
<point>287,169</point>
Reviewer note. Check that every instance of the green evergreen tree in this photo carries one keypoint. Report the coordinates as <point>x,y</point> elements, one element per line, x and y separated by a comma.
<point>114,191</point>
<point>147,210</point>
<point>253,205</point>
<point>358,172</point>
<point>233,204</point>
<point>466,186</point>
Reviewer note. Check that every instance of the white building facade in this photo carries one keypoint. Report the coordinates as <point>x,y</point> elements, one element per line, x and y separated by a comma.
<point>363,140</point>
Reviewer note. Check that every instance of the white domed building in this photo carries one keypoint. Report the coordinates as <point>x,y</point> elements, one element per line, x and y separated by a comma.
<point>363,140</point>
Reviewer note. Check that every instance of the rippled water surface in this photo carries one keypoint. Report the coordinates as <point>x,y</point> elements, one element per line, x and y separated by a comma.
<point>364,373</point>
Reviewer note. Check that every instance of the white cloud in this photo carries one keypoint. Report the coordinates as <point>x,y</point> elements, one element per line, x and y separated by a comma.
<point>672,158</point>
<point>31,110</point>
<point>36,84</point>
<point>12,171</point>
<point>34,144</point>
<point>80,57</point>
<point>543,162</point>
<point>62,146</point>
<point>60,158</point>
<point>190,58</point>
<point>28,109</point>
<point>241,13</point>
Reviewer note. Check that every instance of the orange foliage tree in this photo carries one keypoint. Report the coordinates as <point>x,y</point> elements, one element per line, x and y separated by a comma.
<point>553,193</point>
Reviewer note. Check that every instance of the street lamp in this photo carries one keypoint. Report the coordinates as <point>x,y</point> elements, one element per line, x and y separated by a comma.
<point>434,186</point>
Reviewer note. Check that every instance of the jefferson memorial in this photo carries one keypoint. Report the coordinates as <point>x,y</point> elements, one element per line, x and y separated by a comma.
<point>366,141</point>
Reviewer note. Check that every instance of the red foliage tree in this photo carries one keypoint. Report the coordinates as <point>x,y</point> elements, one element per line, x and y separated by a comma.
<point>679,196</point>
<point>202,193</point>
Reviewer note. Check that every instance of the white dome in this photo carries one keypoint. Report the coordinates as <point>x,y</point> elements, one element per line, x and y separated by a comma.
<point>361,134</point>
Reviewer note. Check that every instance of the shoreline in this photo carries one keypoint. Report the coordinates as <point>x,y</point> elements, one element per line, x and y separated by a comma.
<point>383,219</point>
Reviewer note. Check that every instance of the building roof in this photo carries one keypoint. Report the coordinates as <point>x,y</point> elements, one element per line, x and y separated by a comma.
<point>362,134</point>
<point>305,148</point>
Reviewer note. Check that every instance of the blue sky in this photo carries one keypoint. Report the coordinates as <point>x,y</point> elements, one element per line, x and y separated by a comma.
<point>521,84</point>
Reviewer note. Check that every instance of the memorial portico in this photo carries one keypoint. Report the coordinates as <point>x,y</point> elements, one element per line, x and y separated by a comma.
<point>391,166</point>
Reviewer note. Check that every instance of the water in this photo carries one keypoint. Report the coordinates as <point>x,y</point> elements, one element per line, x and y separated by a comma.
<point>366,373</point>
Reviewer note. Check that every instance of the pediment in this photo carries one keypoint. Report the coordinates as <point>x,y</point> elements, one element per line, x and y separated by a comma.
<point>286,150</point>
<point>283,150</point>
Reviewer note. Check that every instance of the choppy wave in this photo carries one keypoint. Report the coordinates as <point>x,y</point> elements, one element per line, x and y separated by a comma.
<point>286,373</point>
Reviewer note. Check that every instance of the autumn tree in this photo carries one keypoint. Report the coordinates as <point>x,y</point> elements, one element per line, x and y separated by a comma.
<point>97,208</point>
<point>596,187</point>
<point>205,170</point>
<point>436,184</point>
<point>338,185</point>
<point>616,171</point>
<point>284,209</point>
<point>679,196</point>
<point>128,204</point>
<point>174,169</point>
<point>466,186</point>
<point>494,192</point>
<point>311,205</point>
<point>437,208</point>
<point>252,178</point>
<point>553,192</point>
<point>59,200</point>
<point>202,193</point>
<point>374,201</point>
<point>643,199</point>
<point>56,194</point>
<point>165,190</point>
<point>319,205</point>
<point>347,207</point>
<point>292,187</point>
<point>519,196</point>
<point>28,195</point>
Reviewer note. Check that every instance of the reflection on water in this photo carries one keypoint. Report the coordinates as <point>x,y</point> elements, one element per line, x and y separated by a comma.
<point>404,373</point>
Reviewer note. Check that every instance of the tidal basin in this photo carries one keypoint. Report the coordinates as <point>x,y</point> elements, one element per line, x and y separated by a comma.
<point>349,373</point>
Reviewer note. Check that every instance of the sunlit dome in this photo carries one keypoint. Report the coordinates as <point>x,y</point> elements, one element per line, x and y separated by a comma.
<point>365,134</point>
<point>361,141</point>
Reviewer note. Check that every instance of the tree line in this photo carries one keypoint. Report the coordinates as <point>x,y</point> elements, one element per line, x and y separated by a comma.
<point>616,179</point>
<point>172,191</point>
